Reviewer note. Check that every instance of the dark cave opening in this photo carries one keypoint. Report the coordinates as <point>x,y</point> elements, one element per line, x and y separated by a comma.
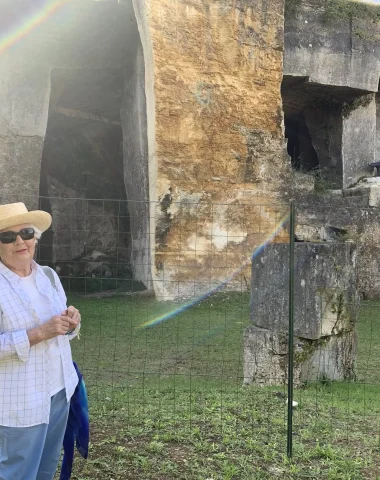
<point>299,144</point>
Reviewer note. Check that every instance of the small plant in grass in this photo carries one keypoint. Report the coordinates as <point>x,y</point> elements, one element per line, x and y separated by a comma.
<point>324,380</point>
<point>230,471</point>
<point>157,447</point>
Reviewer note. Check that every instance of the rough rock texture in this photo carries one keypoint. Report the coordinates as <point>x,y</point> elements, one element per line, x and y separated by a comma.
<point>24,90</point>
<point>326,129</point>
<point>377,146</point>
<point>266,358</point>
<point>25,83</point>
<point>326,308</point>
<point>136,153</point>
<point>358,141</point>
<point>331,46</point>
<point>218,133</point>
<point>85,229</point>
<point>60,127</point>
<point>331,62</point>
<point>201,124</point>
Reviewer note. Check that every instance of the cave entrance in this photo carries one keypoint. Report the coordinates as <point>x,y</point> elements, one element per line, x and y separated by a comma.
<point>92,161</point>
<point>313,116</point>
<point>299,144</point>
<point>328,129</point>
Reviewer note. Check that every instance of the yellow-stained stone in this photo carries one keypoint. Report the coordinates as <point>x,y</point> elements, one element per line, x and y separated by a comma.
<point>218,146</point>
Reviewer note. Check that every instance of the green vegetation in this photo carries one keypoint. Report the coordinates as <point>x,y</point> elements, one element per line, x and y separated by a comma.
<point>349,9</point>
<point>322,184</point>
<point>168,403</point>
<point>341,10</point>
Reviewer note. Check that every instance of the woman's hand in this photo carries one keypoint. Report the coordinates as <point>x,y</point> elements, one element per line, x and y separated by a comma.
<point>73,314</point>
<point>58,325</point>
<point>62,324</point>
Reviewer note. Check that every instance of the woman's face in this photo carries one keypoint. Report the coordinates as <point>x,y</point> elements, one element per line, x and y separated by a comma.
<point>20,253</point>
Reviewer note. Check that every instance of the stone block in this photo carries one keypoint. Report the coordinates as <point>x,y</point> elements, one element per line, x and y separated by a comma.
<point>25,99</point>
<point>325,305</point>
<point>266,358</point>
<point>22,155</point>
<point>326,300</point>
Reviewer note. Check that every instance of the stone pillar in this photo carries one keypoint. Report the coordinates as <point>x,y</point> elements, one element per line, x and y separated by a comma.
<point>24,92</point>
<point>325,127</point>
<point>326,308</point>
<point>358,138</point>
<point>136,165</point>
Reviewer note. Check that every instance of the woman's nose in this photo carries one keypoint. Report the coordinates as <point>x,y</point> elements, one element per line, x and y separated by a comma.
<point>18,240</point>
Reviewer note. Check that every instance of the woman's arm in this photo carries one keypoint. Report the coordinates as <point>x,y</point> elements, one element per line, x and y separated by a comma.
<point>15,346</point>
<point>69,310</point>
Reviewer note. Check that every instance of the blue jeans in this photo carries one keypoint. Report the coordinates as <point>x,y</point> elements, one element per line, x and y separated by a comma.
<point>32,453</point>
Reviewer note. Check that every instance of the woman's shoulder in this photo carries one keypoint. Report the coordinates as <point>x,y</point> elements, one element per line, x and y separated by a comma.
<point>50,273</point>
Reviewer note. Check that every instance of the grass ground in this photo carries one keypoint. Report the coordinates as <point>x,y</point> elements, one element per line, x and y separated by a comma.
<point>167,402</point>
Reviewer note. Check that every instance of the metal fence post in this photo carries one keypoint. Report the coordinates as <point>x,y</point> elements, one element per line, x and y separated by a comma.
<point>291,331</point>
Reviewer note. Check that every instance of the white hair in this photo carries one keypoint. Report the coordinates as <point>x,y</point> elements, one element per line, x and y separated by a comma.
<point>37,232</point>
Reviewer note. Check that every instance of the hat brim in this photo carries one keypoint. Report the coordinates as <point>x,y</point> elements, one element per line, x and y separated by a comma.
<point>38,218</point>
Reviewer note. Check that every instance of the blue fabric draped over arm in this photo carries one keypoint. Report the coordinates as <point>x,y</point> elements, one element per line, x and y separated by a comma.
<point>77,429</point>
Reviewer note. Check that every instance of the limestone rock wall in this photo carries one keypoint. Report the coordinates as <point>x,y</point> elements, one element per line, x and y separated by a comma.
<point>359,150</point>
<point>333,45</point>
<point>201,122</point>
<point>332,56</point>
<point>135,159</point>
<point>217,70</point>
<point>377,145</point>
<point>24,90</point>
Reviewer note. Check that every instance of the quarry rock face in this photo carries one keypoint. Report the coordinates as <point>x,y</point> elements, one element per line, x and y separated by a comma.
<point>326,305</point>
<point>172,115</point>
<point>170,109</point>
<point>331,65</point>
<point>217,70</point>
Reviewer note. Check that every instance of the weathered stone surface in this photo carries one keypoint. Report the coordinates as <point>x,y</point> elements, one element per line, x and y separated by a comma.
<point>332,59</point>
<point>325,311</point>
<point>325,293</point>
<point>201,121</point>
<point>20,163</point>
<point>368,191</point>
<point>24,90</point>
<point>326,130</point>
<point>377,146</point>
<point>358,140</point>
<point>266,357</point>
<point>135,161</point>
<point>336,131</point>
<point>332,47</point>
<point>369,255</point>
<point>217,73</point>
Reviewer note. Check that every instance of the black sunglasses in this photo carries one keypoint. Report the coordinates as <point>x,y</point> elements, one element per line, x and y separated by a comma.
<point>10,237</point>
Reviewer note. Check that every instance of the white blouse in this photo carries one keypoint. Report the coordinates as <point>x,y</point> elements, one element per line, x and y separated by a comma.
<point>42,306</point>
<point>25,371</point>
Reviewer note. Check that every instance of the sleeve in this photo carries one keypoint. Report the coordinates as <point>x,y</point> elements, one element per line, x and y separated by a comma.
<point>62,295</point>
<point>14,345</point>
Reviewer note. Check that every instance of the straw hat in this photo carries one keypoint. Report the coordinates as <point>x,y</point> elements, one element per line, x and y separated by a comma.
<point>16,214</point>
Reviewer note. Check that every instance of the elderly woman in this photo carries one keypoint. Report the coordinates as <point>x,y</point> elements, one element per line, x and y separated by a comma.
<point>37,376</point>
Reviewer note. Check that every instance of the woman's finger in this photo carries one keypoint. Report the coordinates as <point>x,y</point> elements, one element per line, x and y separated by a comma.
<point>72,311</point>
